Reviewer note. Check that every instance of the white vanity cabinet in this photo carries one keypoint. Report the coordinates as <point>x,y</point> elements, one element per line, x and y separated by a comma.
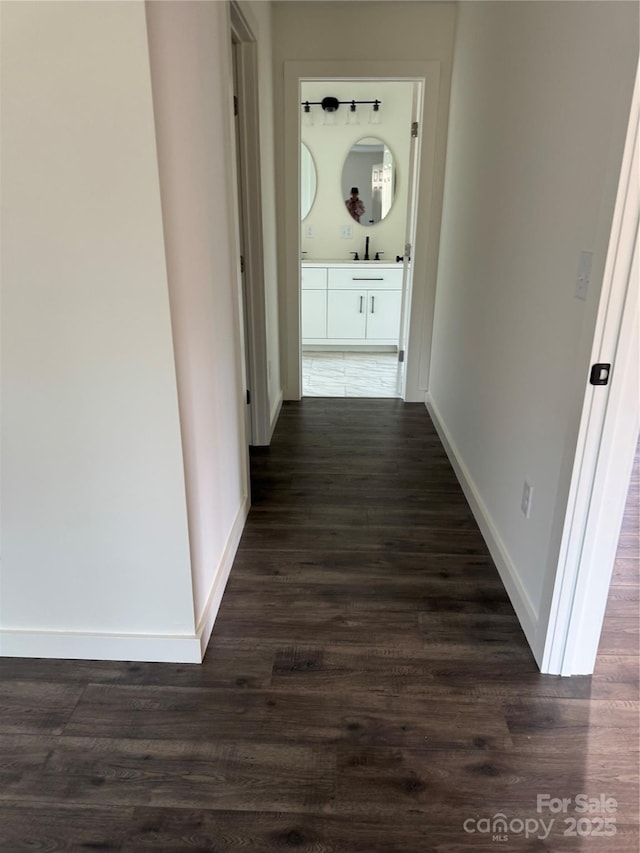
<point>361,306</point>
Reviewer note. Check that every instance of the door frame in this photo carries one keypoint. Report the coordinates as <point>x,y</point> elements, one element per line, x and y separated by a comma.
<point>606,443</point>
<point>428,216</point>
<point>248,129</point>
<point>411,218</point>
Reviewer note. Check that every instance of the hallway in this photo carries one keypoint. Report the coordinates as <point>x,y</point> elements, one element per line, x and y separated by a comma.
<point>367,688</point>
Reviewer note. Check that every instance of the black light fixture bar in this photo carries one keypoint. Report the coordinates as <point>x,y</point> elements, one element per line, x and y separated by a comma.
<point>330,105</point>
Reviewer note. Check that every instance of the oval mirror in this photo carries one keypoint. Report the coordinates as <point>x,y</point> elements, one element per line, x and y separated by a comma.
<point>308,181</point>
<point>369,181</point>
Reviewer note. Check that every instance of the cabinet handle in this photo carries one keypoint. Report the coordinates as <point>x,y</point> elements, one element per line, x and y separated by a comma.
<point>373,303</point>
<point>355,278</point>
<point>361,301</point>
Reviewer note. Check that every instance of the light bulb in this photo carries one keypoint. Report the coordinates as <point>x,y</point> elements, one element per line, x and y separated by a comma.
<point>307,115</point>
<point>352,115</point>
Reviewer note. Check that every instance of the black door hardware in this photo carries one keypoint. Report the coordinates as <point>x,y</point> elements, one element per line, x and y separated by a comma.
<point>600,374</point>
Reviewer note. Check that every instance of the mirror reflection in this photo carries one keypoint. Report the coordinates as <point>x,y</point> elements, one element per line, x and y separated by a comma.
<point>368,181</point>
<point>308,181</point>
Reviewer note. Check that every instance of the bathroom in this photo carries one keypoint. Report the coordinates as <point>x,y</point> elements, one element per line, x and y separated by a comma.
<point>355,273</point>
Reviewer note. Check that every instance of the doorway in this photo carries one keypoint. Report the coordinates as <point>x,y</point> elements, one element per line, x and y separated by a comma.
<point>357,197</point>
<point>417,306</point>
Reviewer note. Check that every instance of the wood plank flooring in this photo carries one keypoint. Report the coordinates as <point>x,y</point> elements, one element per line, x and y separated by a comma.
<point>367,688</point>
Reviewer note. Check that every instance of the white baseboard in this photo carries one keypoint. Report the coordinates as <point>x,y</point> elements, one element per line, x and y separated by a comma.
<point>521,602</point>
<point>154,648</point>
<point>275,413</point>
<point>208,618</point>
<point>77,645</point>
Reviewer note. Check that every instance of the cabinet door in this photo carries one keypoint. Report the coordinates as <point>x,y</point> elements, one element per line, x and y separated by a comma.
<point>346,314</point>
<point>383,315</point>
<point>314,314</point>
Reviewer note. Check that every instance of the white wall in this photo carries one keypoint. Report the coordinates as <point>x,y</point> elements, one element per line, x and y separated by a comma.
<point>330,145</point>
<point>93,514</point>
<point>189,48</point>
<point>540,100</point>
<point>124,476</point>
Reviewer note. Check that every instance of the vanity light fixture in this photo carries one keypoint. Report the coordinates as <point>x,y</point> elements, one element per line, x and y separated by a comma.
<point>331,105</point>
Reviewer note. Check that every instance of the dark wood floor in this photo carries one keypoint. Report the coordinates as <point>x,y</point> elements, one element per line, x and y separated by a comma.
<point>367,688</point>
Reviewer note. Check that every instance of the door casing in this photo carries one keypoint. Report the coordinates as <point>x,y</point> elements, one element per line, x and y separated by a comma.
<point>248,130</point>
<point>427,219</point>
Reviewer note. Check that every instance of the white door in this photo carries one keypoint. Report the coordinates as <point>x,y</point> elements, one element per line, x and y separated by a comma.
<point>410,225</point>
<point>607,440</point>
<point>246,337</point>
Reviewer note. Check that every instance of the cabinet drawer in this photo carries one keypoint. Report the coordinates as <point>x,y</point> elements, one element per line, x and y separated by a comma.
<point>313,278</point>
<point>368,278</point>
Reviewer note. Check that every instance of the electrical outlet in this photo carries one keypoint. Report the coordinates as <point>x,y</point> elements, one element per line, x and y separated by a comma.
<point>527,496</point>
<point>308,232</point>
<point>584,275</point>
<point>346,232</point>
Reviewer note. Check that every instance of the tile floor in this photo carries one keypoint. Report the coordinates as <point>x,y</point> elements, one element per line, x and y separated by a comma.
<point>349,374</point>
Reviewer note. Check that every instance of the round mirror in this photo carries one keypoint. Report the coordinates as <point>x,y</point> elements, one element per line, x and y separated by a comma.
<point>368,181</point>
<point>308,181</point>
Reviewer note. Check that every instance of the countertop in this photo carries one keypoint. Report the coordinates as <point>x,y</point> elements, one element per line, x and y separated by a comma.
<point>389,265</point>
